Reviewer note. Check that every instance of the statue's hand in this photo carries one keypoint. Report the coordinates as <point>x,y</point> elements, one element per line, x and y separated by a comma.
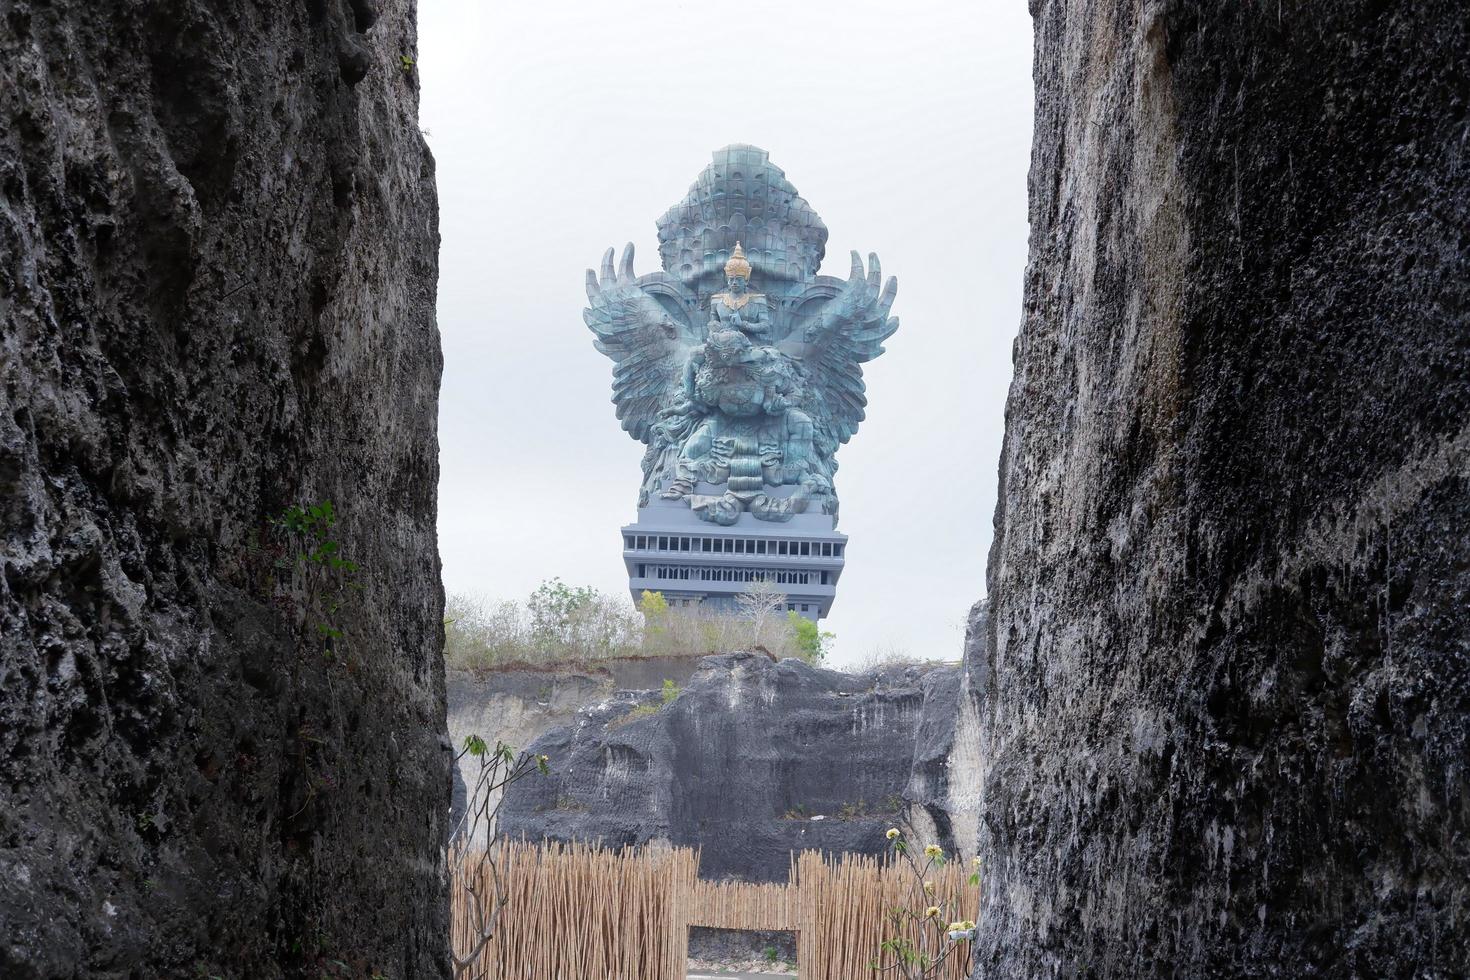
<point>864,298</point>
<point>622,303</point>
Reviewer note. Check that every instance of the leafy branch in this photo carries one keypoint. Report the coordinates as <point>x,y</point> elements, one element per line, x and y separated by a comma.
<point>939,938</point>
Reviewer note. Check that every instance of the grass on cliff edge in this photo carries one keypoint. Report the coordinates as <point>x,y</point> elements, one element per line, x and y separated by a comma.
<point>559,623</point>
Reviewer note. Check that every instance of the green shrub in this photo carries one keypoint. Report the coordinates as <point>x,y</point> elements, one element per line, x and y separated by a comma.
<point>811,641</point>
<point>561,623</point>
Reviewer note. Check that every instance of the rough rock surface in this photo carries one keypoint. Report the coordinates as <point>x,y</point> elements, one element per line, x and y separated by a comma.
<point>1227,706</point>
<point>752,760</point>
<point>515,704</point>
<point>219,235</point>
<point>945,786</point>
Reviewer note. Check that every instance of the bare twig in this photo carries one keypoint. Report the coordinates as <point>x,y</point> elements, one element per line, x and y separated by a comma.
<point>499,768</point>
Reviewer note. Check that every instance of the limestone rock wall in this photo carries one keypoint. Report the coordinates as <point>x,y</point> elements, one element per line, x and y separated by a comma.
<point>1226,713</point>
<point>751,761</point>
<point>517,704</point>
<point>219,234</point>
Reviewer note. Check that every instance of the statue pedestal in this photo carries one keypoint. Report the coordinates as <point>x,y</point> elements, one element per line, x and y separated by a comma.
<point>696,563</point>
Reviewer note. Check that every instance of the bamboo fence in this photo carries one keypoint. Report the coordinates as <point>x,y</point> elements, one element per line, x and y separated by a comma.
<point>845,905</point>
<point>576,912</point>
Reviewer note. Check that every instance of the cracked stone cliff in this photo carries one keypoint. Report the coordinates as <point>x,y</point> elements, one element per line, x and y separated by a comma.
<point>219,235</point>
<point>1227,694</point>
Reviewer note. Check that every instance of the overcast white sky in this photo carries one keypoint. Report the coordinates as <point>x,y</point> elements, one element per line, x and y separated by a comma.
<point>561,128</point>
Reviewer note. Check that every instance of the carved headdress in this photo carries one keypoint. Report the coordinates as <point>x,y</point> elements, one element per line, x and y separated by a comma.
<point>742,196</point>
<point>738,265</point>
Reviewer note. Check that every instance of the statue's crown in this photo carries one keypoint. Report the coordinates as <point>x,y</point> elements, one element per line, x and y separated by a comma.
<point>738,265</point>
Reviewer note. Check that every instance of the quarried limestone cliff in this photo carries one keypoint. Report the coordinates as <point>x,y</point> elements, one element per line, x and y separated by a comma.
<point>1226,703</point>
<point>218,227</point>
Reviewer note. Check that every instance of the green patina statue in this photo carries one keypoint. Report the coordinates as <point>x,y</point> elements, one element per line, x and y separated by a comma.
<point>742,407</point>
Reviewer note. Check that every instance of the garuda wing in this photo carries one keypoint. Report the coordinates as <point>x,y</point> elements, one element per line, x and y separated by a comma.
<point>843,333</point>
<point>644,325</point>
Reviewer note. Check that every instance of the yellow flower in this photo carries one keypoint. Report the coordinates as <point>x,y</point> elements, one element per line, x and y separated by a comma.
<point>893,833</point>
<point>543,758</point>
<point>929,887</point>
<point>932,912</point>
<point>967,924</point>
<point>934,851</point>
<point>977,860</point>
<point>956,927</point>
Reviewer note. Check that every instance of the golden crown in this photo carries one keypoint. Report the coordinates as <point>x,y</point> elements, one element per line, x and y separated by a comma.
<point>738,265</point>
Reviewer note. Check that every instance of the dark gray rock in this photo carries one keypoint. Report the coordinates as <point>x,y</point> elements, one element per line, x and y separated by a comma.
<point>516,703</point>
<point>1227,710</point>
<point>217,292</point>
<point>753,760</point>
<point>942,793</point>
<point>976,663</point>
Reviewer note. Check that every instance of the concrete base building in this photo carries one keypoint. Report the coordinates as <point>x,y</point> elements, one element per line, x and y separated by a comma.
<point>695,563</point>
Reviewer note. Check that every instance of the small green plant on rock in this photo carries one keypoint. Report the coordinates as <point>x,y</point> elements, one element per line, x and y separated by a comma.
<point>314,556</point>
<point>642,711</point>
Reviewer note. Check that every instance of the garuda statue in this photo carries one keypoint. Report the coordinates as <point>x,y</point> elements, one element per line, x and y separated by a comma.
<point>737,365</point>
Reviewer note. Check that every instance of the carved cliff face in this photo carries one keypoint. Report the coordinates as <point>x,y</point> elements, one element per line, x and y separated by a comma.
<point>217,301</point>
<point>1226,698</point>
<point>856,751</point>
